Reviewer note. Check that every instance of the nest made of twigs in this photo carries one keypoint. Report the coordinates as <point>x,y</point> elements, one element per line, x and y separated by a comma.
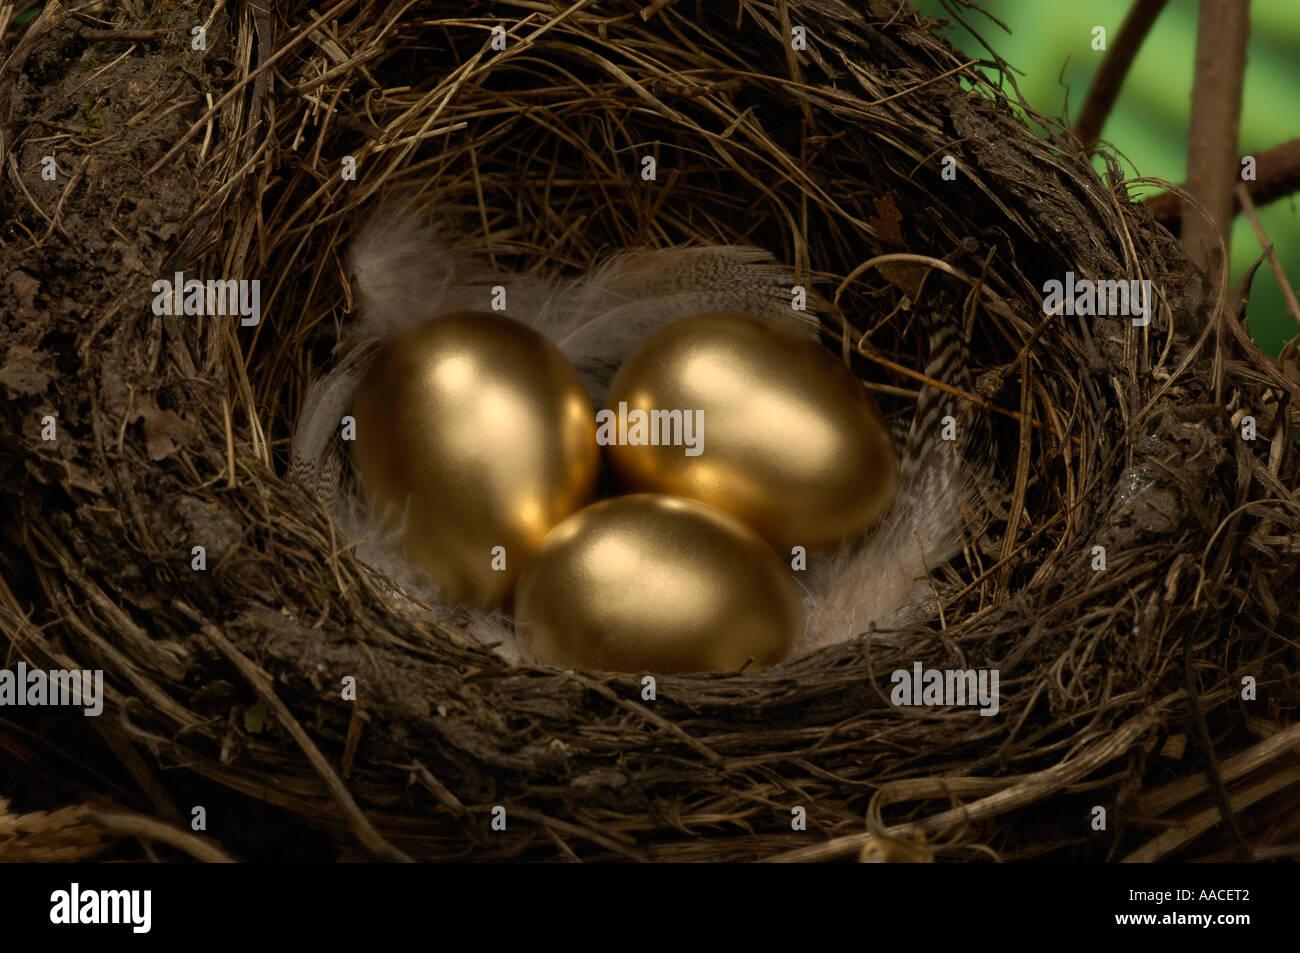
<point>172,432</point>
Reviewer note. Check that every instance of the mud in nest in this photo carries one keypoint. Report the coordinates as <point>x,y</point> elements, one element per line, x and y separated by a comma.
<point>1120,687</point>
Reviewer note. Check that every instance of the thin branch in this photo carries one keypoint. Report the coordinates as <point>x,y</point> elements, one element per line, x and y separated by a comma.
<point>1110,76</point>
<point>1015,791</point>
<point>1166,842</point>
<point>655,7</point>
<point>1276,746</point>
<point>357,821</point>
<point>1212,168</point>
<point>1277,175</point>
<point>1247,206</point>
<point>137,825</point>
<point>1213,775</point>
<point>120,36</point>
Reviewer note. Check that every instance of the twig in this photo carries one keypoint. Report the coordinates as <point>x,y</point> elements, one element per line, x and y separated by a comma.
<point>650,716</point>
<point>137,825</point>
<point>238,87</point>
<point>537,817</point>
<point>357,821</point>
<point>1110,76</point>
<point>73,182</point>
<point>1019,791</point>
<point>1212,773</point>
<point>440,790</point>
<point>1277,175</point>
<point>1275,746</point>
<point>34,36</point>
<point>1259,361</point>
<point>230,445</point>
<point>123,36</point>
<point>1216,113</point>
<point>655,7</point>
<point>1167,841</point>
<point>871,355</point>
<point>1248,207</point>
<point>261,14</point>
<point>1273,853</point>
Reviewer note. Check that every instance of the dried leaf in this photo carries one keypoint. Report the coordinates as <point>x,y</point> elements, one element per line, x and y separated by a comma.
<point>22,374</point>
<point>165,431</point>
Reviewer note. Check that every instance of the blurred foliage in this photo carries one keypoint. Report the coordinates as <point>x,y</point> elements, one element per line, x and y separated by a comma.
<point>1050,46</point>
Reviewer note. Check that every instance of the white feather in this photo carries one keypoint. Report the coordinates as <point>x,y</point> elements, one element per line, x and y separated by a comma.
<point>326,402</point>
<point>379,546</point>
<point>883,580</point>
<point>634,293</point>
<point>399,271</point>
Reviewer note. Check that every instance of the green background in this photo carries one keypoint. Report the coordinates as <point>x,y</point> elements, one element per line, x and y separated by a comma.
<point>1051,44</point>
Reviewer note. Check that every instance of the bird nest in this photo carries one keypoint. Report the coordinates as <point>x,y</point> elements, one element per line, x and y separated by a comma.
<point>1135,588</point>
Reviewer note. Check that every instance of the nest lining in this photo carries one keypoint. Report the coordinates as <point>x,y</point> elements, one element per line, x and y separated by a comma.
<point>174,431</point>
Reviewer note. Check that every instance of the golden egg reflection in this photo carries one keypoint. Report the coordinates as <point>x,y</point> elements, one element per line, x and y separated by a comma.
<point>792,443</point>
<point>653,583</point>
<point>479,430</point>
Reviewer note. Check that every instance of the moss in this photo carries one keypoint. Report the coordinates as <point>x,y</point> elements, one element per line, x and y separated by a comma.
<point>88,111</point>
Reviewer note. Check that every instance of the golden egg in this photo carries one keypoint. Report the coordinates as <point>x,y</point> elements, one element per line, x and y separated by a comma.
<point>651,583</point>
<point>784,436</point>
<point>477,430</point>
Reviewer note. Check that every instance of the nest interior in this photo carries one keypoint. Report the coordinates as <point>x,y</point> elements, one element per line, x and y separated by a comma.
<point>1120,687</point>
